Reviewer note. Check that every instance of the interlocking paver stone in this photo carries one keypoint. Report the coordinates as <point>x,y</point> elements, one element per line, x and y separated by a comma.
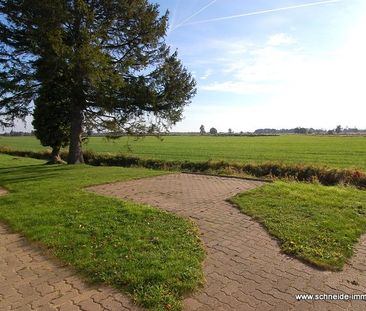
<point>31,281</point>
<point>243,261</point>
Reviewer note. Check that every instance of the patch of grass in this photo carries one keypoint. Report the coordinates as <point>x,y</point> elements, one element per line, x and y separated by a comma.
<point>312,222</point>
<point>153,255</point>
<point>307,173</point>
<point>330,151</point>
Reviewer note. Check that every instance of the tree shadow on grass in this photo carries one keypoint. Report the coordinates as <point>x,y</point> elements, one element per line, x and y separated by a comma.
<point>16,174</point>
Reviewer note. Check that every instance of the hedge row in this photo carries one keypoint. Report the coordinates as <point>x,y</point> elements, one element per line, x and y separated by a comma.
<point>308,173</point>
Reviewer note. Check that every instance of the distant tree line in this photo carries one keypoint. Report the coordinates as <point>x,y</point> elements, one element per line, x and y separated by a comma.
<point>213,131</point>
<point>17,133</point>
<point>303,130</point>
<point>298,130</point>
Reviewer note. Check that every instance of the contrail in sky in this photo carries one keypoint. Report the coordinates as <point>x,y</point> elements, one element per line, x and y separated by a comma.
<point>175,12</point>
<point>184,23</point>
<point>193,15</point>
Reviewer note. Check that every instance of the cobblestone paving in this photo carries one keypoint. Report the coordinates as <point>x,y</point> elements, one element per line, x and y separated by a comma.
<point>31,281</point>
<point>244,268</point>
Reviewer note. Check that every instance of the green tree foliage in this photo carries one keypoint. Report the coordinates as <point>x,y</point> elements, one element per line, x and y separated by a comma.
<point>301,130</point>
<point>17,77</point>
<point>213,131</point>
<point>202,130</point>
<point>118,72</point>
<point>51,115</point>
<point>51,120</point>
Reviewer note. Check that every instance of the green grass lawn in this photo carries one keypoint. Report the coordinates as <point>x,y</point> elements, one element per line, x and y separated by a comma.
<point>151,254</point>
<point>315,223</point>
<point>336,151</point>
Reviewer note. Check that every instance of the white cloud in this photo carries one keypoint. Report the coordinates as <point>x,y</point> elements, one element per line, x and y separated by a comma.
<point>258,69</point>
<point>280,39</point>
<point>238,87</point>
<point>207,74</point>
<point>329,89</point>
<point>296,88</point>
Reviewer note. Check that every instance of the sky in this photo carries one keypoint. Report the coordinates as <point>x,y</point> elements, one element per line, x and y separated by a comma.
<point>270,63</point>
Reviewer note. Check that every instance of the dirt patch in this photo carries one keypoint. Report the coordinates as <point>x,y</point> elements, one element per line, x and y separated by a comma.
<point>3,191</point>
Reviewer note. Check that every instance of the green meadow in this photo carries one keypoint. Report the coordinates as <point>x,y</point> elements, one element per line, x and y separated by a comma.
<point>330,151</point>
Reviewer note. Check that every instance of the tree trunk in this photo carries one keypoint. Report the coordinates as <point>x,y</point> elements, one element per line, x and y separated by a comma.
<point>55,156</point>
<point>75,151</point>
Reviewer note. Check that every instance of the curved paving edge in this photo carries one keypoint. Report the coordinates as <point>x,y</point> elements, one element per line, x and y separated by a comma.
<point>244,268</point>
<point>29,280</point>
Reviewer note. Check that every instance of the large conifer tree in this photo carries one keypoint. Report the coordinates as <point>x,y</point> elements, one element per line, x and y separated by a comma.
<point>110,57</point>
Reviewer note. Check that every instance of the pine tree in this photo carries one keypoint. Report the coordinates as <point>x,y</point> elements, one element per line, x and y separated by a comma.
<point>111,56</point>
<point>51,120</point>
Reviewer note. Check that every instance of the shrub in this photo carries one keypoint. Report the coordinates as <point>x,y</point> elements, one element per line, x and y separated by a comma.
<point>306,173</point>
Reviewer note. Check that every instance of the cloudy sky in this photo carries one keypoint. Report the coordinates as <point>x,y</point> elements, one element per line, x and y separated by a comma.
<point>272,63</point>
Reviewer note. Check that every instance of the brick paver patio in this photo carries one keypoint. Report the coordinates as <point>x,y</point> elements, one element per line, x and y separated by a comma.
<point>244,268</point>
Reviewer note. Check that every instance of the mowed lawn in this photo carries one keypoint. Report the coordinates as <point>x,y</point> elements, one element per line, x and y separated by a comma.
<point>330,151</point>
<point>153,255</point>
<point>315,223</point>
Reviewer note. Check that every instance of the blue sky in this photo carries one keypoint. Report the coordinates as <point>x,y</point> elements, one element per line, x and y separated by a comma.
<point>281,64</point>
<point>290,63</point>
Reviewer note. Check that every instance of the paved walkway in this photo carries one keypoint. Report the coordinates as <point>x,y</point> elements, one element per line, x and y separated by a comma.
<point>31,281</point>
<point>244,267</point>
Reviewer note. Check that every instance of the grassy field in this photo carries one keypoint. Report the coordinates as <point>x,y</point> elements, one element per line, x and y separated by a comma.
<point>335,152</point>
<point>153,255</point>
<point>312,222</point>
<point>315,223</point>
